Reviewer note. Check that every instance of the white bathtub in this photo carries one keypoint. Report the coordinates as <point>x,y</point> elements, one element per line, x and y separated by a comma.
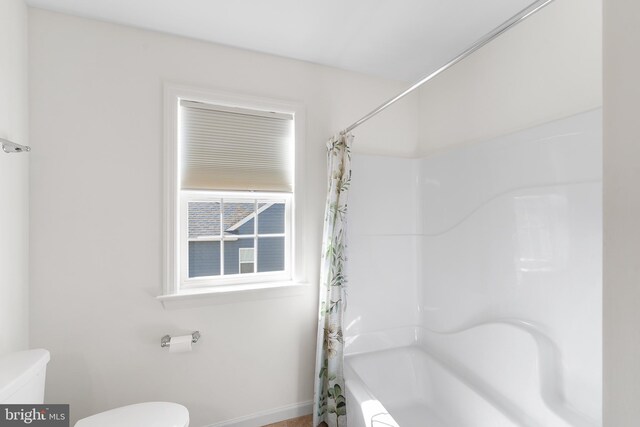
<point>407,387</point>
<point>453,380</point>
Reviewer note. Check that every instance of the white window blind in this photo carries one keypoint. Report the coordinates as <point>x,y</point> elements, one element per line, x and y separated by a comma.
<point>223,148</point>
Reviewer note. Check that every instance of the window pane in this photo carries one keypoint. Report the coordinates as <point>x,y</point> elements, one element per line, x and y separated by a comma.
<point>204,259</point>
<point>232,250</point>
<point>246,255</point>
<point>271,219</point>
<point>239,218</point>
<point>247,260</point>
<point>204,219</point>
<point>247,267</point>
<point>270,254</point>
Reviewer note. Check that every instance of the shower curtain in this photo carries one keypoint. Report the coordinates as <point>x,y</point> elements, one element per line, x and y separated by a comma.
<point>330,406</point>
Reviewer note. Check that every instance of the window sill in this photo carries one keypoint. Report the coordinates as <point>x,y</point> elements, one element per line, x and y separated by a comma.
<point>232,294</point>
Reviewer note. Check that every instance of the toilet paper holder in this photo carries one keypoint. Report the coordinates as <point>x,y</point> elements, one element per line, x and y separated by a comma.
<point>165,341</point>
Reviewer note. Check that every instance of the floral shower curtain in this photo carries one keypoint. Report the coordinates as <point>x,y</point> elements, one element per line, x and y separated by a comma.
<point>330,406</point>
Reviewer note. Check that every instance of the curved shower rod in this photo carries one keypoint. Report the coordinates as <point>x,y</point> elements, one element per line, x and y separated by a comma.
<point>502,28</point>
<point>12,147</point>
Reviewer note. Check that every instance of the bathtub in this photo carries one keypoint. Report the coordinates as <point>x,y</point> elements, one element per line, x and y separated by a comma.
<point>425,379</point>
<point>408,387</point>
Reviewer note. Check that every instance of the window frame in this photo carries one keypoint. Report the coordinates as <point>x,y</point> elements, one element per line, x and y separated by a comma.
<point>188,283</point>
<point>298,266</point>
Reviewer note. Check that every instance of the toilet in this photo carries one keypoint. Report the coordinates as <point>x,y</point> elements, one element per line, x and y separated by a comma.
<point>22,376</point>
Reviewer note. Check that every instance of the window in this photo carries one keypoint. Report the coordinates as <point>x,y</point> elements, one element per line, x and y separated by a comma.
<point>246,260</point>
<point>231,191</point>
<point>232,237</point>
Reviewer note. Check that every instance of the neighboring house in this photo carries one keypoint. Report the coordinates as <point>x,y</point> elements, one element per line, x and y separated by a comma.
<point>240,255</point>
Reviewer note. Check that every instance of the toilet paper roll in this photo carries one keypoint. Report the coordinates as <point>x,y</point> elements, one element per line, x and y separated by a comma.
<point>180,344</point>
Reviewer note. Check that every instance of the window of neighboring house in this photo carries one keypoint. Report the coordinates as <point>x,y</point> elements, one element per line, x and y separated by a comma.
<point>246,260</point>
<point>231,218</point>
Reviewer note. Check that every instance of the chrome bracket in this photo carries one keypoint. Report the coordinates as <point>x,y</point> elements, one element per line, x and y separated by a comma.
<point>165,341</point>
<point>12,147</point>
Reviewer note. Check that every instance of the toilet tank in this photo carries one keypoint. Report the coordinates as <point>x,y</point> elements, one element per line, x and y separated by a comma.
<point>22,376</point>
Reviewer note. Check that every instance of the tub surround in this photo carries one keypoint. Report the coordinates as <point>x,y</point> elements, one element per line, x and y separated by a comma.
<point>505,290</point>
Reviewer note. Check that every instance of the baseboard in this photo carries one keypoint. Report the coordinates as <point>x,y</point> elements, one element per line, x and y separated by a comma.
<point>270,416</point>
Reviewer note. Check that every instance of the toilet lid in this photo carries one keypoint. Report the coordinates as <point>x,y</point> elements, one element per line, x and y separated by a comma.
<point>149,414</point>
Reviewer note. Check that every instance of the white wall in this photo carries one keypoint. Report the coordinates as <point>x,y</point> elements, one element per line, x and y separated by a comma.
<point>96,200</point>
<point>621,213</point>
<point>14,179</point>
<point>546,68</point>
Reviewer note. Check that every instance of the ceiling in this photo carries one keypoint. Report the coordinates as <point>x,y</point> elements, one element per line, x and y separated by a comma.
<point>396,39</point>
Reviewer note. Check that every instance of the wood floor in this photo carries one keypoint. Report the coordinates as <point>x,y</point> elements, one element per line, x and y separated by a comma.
<point>294,422</point>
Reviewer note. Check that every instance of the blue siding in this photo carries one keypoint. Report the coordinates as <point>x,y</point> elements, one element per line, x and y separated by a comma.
<point>271,221</point>
<point>270,254</point>
<point>204,259</point>
<point>232,254</point>
<point>246,228</point>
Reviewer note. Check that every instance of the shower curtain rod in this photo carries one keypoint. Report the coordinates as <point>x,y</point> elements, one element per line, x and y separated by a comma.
<point>505,26</point>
